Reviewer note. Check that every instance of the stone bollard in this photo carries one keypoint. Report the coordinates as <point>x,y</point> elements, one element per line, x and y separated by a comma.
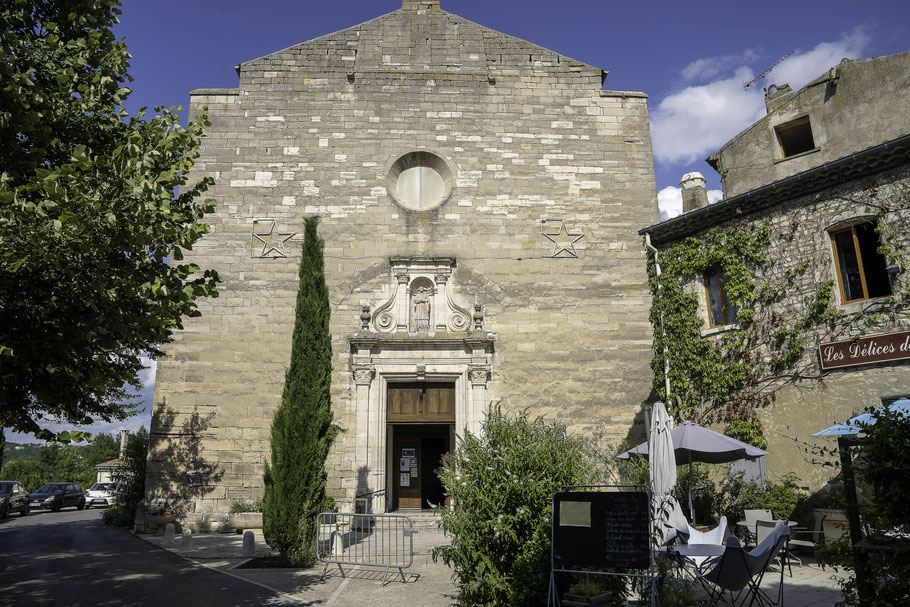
<point>186,540</point>
<point>168,534</point>
<point>249,545</point>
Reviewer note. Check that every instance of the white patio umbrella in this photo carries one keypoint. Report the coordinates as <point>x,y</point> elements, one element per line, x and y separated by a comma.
<point>662,473</point>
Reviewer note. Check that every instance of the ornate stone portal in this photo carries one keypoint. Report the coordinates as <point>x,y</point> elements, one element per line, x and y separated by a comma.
<point>420,334</point>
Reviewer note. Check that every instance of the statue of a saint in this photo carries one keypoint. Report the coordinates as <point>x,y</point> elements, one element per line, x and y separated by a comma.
<point>422,309</point>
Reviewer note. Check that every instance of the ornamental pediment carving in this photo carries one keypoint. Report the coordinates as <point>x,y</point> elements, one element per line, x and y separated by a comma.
<point>423,301</point>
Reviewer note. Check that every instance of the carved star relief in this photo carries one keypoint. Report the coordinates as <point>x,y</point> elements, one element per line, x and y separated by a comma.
<point>265,231</point>
<point>563,241</point>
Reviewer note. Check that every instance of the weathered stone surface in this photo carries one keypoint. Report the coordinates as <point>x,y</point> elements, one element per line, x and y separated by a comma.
<point>313,130</point>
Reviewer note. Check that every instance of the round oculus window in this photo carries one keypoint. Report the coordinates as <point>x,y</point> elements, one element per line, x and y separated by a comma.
<point>420,181</point>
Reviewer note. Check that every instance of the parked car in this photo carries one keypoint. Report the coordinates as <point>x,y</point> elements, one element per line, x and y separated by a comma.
<point>13,498</point>
<point>55,496</point>
<point>101,494</point>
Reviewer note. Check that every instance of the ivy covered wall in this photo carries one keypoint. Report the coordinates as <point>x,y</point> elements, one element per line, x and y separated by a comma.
<point>760,379</point>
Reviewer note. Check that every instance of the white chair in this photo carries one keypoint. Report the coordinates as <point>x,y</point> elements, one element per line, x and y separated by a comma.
<point>714,537</point>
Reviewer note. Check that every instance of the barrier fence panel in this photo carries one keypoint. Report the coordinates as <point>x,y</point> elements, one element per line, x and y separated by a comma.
<point>365,540</point>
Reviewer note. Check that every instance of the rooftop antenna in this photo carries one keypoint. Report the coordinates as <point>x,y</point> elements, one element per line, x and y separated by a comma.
<point>761,76</point>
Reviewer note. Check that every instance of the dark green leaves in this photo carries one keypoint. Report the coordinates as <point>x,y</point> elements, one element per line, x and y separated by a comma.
<point>88,218</point>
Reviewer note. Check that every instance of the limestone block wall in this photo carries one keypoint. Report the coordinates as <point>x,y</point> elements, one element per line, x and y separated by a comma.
<point>537,147</point>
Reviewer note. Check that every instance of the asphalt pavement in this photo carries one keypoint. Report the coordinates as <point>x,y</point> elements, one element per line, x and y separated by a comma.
<point>72,558</point>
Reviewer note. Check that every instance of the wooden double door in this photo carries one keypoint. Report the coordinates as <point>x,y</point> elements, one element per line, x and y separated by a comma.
<point>421,419</point>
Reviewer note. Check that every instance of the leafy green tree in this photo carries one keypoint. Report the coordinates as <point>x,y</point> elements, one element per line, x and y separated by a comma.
<point>31,473</point>
<point>88,219</point>
<point>501,485</point>
<point>302,429</point>
<point>103,448</point>
<point>2,447</point>
<point>130,479</point>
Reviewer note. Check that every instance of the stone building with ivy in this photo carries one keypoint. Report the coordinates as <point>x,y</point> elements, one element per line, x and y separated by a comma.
<point>479,197</point>
<point>783,308</point>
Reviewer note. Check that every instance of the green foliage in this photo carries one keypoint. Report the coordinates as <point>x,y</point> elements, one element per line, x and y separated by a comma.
<point>57,463</point>
<point>239,506</point>
<point>748,431</point>
<point>130,479</point>
<point>2,447</point>
<point>500,484</point>
<point>780,498</point>
<point>88,219</point>
<point>882,464</point>
<point>30,472</point>
<point>302,429</point>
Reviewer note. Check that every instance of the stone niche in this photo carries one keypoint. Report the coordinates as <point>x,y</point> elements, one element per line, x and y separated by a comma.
<point>419,334</point>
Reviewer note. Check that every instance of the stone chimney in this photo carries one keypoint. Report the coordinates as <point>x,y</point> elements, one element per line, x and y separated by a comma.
<point>123,435</point>
<point>776,95</point>
<point>694,195</point>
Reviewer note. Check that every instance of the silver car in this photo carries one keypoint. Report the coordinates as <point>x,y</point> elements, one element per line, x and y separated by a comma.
<point>101,494</point>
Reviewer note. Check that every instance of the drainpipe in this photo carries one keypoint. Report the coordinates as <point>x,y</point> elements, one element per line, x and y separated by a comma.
<point>663,332</point>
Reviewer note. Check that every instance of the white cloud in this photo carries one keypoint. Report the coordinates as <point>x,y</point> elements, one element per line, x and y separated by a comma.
<point>708,67</point>
<point>669,201</point>
<point>803,67</point>
<point>147,375</point>
<point>690,123</point>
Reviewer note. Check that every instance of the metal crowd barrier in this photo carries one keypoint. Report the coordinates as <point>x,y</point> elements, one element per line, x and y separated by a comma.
<point>365,540</point>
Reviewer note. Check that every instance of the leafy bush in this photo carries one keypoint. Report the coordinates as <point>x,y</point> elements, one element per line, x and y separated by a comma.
<point>879,463</point>
<point>239,506</point>
<point>501,485</point>
<point>780,498</point>
<point>130,480</point>
<point>29,472</point>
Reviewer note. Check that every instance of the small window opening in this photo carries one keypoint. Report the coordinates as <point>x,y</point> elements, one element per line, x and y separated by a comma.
<point>861,270</point>
<point>795,137</point>
<point>720,311</point>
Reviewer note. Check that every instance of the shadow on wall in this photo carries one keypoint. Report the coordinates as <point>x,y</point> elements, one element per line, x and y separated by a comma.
<point>178,472</point>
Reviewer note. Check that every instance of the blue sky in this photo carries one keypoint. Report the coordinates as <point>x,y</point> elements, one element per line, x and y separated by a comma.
<point>690,58</point>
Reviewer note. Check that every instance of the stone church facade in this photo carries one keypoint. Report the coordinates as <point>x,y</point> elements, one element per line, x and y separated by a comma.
<point>479,199</point>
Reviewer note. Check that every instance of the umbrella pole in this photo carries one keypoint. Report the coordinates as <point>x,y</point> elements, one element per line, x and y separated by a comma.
<point>691,493</point>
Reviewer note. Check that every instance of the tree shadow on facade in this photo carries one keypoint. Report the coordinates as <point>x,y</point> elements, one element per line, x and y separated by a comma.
<point>177,460</point>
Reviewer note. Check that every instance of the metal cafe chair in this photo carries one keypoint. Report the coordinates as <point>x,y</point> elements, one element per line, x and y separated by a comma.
<point>739,572</point>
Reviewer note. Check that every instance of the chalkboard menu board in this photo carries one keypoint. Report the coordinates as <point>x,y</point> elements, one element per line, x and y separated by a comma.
<point>601,529</point>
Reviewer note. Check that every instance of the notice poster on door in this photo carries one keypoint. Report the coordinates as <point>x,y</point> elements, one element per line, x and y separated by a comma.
<point>409,453</point>
<point>405,464</point>
<point>405,480</point>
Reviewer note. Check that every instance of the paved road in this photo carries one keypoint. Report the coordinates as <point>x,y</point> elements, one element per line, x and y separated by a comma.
<point>72,558</point>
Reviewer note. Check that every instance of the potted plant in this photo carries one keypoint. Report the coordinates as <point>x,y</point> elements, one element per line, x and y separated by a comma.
<point>159,513</point>
<point>587,593</point>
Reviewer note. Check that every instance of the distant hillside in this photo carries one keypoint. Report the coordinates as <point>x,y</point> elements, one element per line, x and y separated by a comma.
<point>24,451</point>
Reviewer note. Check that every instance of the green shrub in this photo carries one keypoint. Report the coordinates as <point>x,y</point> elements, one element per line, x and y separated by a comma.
<point>130,478</point>
<point>501,485</point>
<point>780,498</point>
<point>239,506</point>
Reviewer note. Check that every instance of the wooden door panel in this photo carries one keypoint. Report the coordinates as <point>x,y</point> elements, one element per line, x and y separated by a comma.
<point>404,403</point>
<point>439,403</point>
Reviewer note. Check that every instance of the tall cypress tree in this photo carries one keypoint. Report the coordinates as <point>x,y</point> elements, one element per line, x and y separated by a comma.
<point>302,429</point>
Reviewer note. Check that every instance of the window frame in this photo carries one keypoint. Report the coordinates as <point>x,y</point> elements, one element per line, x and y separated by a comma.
<point>790,125</point>
<point>722,292</point>
<point>857,250</point>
